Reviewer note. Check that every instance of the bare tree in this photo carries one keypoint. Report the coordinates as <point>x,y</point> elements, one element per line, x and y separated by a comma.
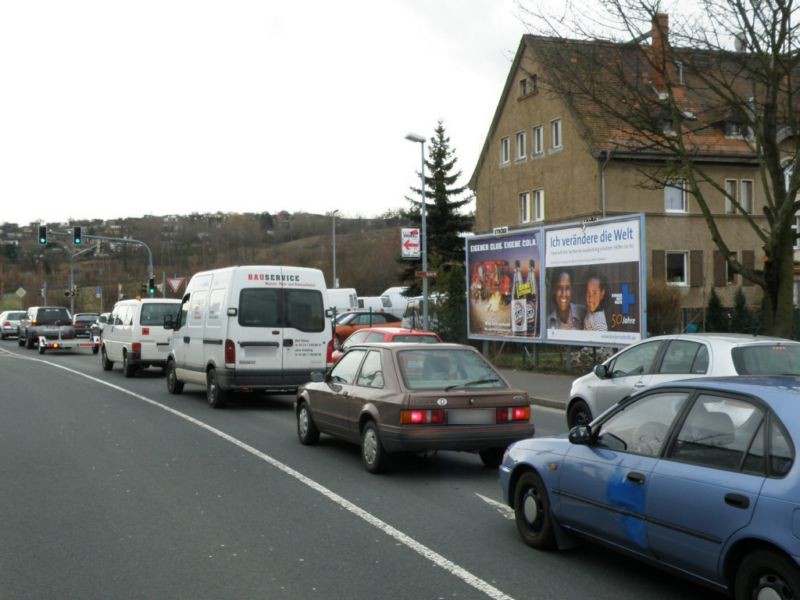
<point>731,66</point>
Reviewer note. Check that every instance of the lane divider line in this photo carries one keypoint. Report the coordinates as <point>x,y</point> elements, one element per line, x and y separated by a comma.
<point>503,509</point>
<point>427,553</point>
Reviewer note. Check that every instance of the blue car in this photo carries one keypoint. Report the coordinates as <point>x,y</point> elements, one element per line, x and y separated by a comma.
<point>694,476</point>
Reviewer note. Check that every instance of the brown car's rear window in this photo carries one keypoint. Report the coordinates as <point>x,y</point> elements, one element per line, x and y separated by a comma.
<point>441,368</point>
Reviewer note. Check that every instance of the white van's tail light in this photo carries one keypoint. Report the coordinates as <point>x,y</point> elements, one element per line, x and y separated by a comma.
<point>514,413</point>
<point>329,353</point>
<point>145,331</point>
<point>230,353</point>
<point>136,347</point>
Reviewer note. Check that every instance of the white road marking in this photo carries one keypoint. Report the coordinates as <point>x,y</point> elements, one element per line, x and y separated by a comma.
<point>432,556</point>
<point>503,509</point>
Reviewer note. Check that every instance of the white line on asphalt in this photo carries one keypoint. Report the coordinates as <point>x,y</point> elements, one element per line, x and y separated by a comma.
<point>434,557</point>
<point>501,508</point>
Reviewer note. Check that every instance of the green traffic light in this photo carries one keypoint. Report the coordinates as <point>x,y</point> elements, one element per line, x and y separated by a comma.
<point>76,236</point>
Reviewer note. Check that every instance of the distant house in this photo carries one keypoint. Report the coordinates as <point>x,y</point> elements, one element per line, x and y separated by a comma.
<point>547,160</point>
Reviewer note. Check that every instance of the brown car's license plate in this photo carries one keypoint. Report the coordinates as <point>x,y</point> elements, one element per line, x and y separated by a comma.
<point>472,416</point>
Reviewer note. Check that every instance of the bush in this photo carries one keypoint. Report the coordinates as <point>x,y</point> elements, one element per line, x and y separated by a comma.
<point>716,319</point>
<point>663,308</point>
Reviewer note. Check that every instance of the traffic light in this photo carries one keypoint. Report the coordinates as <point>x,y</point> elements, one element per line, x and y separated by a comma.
<point>76,236</point>
<point>151,286</point>
<point>43,235</point>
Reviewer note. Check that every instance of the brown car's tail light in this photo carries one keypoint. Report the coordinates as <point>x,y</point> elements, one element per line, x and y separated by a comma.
<point>422,417</point>
<point>230,352</point>
<point>513,413</point>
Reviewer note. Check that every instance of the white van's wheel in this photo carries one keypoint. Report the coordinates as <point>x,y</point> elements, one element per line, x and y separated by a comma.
<point>174,386</point>
<point>128,368</point>
<point>107,364</point>
<point>216,397</point>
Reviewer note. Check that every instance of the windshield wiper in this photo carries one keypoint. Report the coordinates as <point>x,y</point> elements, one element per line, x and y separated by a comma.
<point>468,383</point>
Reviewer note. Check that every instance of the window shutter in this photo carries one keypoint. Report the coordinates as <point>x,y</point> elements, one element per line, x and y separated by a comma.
<point>696,268</point>
<point>720,272</point>
<point>748,261</point>
<point>659,260</point>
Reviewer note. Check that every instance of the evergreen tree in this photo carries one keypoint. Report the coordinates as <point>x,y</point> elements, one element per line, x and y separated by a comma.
<point>741,319</point>
<point>451,323</point>
<point>715,315</point>
<point>443,221</point>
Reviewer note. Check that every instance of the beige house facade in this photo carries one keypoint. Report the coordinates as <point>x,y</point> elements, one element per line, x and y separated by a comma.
<point>543,163</point>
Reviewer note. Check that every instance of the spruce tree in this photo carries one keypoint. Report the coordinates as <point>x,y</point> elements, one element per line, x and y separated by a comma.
<point>741,319</point>
<point>715,315</point>
<point>443,221</point>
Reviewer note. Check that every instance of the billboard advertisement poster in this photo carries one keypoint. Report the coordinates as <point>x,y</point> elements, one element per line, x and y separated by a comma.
<point>593,282</point>
<point>503,279</point>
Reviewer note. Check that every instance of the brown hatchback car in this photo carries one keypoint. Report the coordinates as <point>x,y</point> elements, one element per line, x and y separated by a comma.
<point>412,398</point>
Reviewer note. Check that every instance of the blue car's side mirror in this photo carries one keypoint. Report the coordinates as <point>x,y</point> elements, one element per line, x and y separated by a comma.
<point>581,435</point>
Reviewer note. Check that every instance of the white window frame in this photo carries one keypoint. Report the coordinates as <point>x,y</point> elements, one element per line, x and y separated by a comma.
<point>525,207</point>
<point>676,184</point>
<point>537,205</point>
<point>732,188</point>
<point>555,134</point>
<point>537,141</point>
<point>685,256</point>
<point>523,87</point>
<point>505,151</point>
<point>746,199</point>
<point>522,146</point>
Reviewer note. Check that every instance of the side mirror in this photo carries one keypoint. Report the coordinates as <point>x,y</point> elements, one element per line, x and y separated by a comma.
<point>169,322</point>
<point>601,371</point>
<point>580,435</point>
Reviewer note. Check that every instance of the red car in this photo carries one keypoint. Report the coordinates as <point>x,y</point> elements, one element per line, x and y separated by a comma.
<point>348,322</point>
<point>386,334</point>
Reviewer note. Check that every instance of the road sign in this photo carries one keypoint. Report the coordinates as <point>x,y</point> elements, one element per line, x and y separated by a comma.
<point>20,292</point>
<point>409,242</point>
<point>422,274</point>
<point>175,283</point>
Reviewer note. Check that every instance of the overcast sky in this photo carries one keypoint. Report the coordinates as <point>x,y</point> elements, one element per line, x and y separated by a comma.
<point>113,109</point>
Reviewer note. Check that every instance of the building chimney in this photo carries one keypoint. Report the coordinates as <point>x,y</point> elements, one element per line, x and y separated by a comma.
<point>660,47</point>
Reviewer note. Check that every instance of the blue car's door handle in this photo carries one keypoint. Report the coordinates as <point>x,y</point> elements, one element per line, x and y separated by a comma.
<point>737,500</point>
<point>635,477</point>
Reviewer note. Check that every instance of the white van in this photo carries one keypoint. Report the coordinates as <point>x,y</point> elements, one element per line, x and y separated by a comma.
<point>135,336</point>
<point>370,303</point>
<point>343,299</point>
<point>250,328</point>
<point>394,301</point>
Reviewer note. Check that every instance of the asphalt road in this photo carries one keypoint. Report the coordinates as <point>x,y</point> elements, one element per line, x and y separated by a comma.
<point>113,488</point>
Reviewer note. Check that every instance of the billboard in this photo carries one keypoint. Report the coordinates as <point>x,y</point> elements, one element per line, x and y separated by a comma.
<point>573,284</point>
<point>503,280</point>
<point>593,281</point>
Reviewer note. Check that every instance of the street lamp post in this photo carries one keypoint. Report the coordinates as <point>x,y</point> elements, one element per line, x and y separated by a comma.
<point>333,242</point>
<point>413,137</point>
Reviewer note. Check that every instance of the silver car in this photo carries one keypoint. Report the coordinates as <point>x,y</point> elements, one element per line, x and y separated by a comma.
<point>9,322</point>
<point>672,357</point>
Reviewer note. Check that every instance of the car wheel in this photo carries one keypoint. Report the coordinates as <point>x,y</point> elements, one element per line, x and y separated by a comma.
<point>3,336</point>
<point>766,574</point>
<point>532,512</point>
<point>41,349</point>
<point>174,386</point>
<point>95,349</point>
<point>216,397</point>
<point>107,364</point>
<point>373,455</point>
<point>492,457</point>
<point>579,414</point>
<point>30,342</point>
<point>307,431</point>
<point>20,340</point>
<point>128,368</point>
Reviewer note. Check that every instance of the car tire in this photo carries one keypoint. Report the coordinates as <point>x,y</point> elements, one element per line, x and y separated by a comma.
<point>3,336</point>
<point>307,431</point>
<point>106,364</point>
<point>41,349</point>
<point>373,455</point>
<point>492,457</point>
<point>764,570</point>
<point>20,339</point>
<point>128,368</point>
<point>215,396</point>
<point>95,349</point>
<point>30,342</point>
<point>532,512</point>
<point>174,385</point>
<point>579,414</point>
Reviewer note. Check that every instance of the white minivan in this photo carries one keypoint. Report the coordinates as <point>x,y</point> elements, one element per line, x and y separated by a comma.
<point>250,328</point>
<point>134,334</point>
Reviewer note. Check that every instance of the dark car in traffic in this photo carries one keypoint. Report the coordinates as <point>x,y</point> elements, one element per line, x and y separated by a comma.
<point>414,397</point>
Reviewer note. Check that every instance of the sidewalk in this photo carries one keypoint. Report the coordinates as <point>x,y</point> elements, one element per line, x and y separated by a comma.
<point>544,389</point>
